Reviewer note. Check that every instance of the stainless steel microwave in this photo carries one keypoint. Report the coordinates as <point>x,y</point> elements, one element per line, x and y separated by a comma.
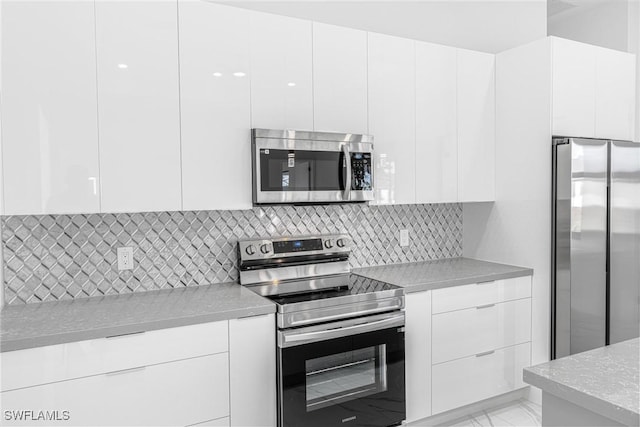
<point>292,166</point>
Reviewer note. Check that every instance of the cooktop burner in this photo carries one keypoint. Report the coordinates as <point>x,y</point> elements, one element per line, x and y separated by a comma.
<point>346,285</point>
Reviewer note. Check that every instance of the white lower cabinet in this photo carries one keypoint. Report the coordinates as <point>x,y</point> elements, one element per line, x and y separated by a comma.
<point>418,355</point>
<point>474,378</point>
<point>252,345</point>
<point>212,374</point>
<point>176,393</point>
<point>465,343</point>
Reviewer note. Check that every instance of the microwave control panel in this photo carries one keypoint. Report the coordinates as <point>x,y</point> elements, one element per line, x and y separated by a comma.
<point>361,177</point>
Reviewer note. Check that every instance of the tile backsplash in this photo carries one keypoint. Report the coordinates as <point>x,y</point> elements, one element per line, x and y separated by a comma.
<point>54,257</point>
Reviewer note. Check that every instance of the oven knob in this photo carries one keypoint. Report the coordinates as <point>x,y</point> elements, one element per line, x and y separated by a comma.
<point>250,250</point>
<point>341,243</point>
<point>328,243</point>
<point>265,249</point>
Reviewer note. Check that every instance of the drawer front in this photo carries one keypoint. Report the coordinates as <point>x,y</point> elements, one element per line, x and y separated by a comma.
<point>467,296</point>
<point>177,393</point>
<point>463,333</point>
<point>472,379</point>
<point>42,365</point>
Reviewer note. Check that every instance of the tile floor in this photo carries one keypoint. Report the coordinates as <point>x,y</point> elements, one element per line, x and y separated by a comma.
<point>521,413</point>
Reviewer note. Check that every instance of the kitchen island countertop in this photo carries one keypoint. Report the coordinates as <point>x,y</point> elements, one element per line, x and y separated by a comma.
<point>605,381</point>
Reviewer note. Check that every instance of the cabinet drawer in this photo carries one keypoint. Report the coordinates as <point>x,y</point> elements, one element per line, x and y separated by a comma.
<point>42,365</point>
<point>471,379</point>
<point>467,296</point>
<point>475,330</point>
<point>177,393</point>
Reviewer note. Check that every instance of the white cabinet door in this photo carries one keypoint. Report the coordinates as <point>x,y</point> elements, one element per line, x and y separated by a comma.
<point>480,329</point>
<point>138,107</point>
<point>49,119</point>
<point>215,106</point>
<point>476,126</point>
<point>339,79</point>
<point>482,293</point>
<point>471,379</point>
<point>574,79</point>
<point>252,355</point>
<point>392,106</point>
<point>60,362</point>
<point>281,69</point>
<point>418,355</point>
<point>181,393</point>
<point>615,95</point>
<point>436,124</point>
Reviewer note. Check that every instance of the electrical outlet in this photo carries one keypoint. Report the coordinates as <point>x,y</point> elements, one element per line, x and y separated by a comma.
<point>125,258</point>
<point>404,238</point>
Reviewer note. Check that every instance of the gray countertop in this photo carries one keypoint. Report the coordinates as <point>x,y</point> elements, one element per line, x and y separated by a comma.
<point>36,325</point>
<point>605,380</point>
<point>428,275</point>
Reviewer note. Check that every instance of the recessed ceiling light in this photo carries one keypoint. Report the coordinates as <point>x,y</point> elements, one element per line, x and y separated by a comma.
<point>239,74</point>
<point>123,66</point>
<point>291,84</point>
<point>216,74</point>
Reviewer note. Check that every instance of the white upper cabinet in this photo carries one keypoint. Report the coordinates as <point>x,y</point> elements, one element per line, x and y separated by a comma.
<point>339,79</point>
<point>573,93</point>
<point>476,126</point>
<point>138,107</point>
<point>215,106</point>
<point>49,122</point>
<point>615,94</point>
<point>593,92</point>
<point>436,124</point>
<point>392,102</point>
<point>281,72</point>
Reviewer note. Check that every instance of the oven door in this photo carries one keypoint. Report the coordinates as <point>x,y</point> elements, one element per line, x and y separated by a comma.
<point>347,373</point>
<point>305,171</point>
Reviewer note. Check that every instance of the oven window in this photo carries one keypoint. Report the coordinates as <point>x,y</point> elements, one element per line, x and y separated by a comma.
<point>299,170</point>
<point>341,377</point>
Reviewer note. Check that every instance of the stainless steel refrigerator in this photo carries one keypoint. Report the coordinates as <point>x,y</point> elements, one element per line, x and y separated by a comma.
<point>596,244</point>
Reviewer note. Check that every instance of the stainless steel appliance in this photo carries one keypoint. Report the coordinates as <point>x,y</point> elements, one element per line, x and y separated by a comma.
<point>596,244</point>
<point>311,167</point>
<point>340,336</point>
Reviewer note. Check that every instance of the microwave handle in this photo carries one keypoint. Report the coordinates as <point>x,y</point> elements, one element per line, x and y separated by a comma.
<point>347,184</point>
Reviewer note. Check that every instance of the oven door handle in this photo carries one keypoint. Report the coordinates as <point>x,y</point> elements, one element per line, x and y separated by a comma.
<point>347,182</point>
<point>295,338</point>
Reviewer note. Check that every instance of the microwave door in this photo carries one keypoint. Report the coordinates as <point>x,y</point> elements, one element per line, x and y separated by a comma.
<point>299,173</point>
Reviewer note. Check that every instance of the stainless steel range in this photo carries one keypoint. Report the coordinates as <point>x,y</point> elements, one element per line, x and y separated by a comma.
<point>340,336</point>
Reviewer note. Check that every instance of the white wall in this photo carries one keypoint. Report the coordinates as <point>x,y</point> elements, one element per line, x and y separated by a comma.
<point>516,229</point>
<point>488,26</point>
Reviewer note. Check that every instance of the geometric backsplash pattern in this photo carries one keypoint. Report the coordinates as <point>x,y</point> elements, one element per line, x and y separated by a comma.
<point>56,257</point>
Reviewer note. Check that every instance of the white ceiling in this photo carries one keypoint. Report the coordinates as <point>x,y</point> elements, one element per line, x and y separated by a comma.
<point>485,25</point>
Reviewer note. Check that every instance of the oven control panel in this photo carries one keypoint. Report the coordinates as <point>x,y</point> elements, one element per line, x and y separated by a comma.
<point>284,247</point>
